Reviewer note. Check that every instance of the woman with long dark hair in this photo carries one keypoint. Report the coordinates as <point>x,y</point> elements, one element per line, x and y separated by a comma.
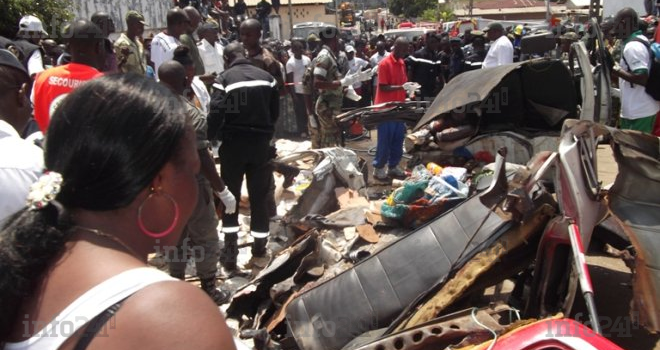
<point>120,183</point>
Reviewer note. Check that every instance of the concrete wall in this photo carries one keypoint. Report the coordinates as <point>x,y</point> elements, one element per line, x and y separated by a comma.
<point>154,11</point>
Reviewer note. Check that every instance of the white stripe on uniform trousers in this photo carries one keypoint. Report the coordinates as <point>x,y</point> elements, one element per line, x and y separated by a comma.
<point>251,83</point>
<point>232,229</point>
<point>256,234</point>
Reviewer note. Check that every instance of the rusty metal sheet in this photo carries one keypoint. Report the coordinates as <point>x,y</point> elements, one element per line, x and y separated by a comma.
<point>505,96</point>
<point>634,199</point>
<point>457,329</point>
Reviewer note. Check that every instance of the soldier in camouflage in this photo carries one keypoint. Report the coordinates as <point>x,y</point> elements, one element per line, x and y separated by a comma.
<point>328,81</point>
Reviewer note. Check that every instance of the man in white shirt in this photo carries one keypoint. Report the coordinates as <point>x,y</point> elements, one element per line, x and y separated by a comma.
<point>375,59</point>
<point>210,49</point>
<point>164,43</point>
<point>501,49</point>
<point>355,64</point>
<point>21,162</point>
<point>295,69</point>
<point>638,109</point>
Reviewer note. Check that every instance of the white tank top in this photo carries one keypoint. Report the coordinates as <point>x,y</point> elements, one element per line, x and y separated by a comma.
<point>89,305</point>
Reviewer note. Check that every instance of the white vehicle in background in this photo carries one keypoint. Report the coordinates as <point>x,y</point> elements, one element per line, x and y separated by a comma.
<point>303,30</point>
<point>409,33</point>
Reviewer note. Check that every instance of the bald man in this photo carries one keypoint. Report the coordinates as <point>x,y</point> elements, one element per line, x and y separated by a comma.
<point>638,109</point>
<point>392,86</point>
<point>200,232</point>
<point>187,38</point>
<point>164,43</point>
<point>250,32</point>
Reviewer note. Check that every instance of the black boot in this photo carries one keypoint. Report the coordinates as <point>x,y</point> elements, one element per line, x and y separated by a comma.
<point>229,254</point>
<point>219,296</point>
<point>259,247</point>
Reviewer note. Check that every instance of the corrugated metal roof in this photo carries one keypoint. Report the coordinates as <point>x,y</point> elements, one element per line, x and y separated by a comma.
<point>285,3</point>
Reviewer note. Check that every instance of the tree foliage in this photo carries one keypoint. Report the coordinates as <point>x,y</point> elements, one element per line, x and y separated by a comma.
<point>411,8</point>
<point>51,12</point>
<point>433,15</point>
<point>430,15</point>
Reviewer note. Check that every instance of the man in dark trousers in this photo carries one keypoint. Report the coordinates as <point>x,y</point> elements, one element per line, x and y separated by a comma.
<point>244,109</point>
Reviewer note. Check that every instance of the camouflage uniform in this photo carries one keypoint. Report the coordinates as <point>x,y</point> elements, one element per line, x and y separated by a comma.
<point>311,95</point>
<point>136,61</point>
<point>328,104</point>
<point>200,234</point>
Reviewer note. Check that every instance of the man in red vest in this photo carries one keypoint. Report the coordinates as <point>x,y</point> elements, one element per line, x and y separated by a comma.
<point>86,46</point>
<point>392,86</point>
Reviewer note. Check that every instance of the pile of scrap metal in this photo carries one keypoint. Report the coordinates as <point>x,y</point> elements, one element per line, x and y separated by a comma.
<point>324,233</point>
<point>430,271</point>
<point>312,296</point>
<point>426,288</point>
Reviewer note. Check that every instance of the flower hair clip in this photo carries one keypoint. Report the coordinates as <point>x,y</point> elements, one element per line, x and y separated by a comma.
<point>44,190</point>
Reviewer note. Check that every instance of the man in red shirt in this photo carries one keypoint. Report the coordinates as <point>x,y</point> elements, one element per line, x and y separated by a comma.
<point>392,86</point>
<point>86,46</point>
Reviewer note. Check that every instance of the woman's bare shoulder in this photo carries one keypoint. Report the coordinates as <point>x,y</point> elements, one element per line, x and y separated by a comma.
<point>167,315</point>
